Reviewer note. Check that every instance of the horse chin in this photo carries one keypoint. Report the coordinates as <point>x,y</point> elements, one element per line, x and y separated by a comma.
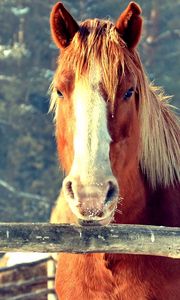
<point>95,222</point>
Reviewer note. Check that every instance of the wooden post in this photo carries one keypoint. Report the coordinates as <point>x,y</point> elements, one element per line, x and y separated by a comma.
<point>131,239</point>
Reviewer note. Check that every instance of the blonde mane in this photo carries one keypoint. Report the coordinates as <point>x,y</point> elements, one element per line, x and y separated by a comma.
<point>98,41</point>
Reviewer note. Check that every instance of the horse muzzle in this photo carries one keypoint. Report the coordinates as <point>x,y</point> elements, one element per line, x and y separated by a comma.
<point>92,204</point>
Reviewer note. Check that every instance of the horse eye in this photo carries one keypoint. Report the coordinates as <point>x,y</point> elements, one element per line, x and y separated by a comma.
<point>128,94</point>
<point>60,95</point>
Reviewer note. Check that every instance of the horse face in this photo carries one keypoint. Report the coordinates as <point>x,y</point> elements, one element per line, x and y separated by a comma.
<point>90,187</point>
<point>95,142</point>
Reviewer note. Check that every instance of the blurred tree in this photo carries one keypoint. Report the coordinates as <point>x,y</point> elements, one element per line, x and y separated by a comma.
<point>28,153</point>
<point>161,44</point>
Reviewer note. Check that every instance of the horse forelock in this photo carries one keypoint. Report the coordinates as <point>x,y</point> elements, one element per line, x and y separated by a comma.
<point>98,42</point>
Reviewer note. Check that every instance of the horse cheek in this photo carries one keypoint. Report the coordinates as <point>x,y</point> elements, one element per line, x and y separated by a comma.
<point>64,137</point>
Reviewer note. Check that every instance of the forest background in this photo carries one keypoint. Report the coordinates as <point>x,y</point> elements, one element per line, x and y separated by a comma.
<point>30,177</point>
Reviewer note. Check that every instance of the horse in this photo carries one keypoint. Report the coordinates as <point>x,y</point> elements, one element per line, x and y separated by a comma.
<point>118,143</point>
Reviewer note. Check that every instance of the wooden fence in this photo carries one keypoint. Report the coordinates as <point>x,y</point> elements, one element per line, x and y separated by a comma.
<point>27,281</point>
<point>131,239</point>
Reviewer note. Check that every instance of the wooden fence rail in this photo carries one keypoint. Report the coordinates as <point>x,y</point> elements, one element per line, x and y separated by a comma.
<point>131,239</point>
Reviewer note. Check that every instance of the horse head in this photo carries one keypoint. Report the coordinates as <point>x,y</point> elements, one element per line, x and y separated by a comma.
<point>95,92</point>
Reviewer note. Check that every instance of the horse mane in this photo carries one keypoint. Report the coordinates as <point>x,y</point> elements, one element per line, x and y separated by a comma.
<point>160,138</point>
<point>98,41</point>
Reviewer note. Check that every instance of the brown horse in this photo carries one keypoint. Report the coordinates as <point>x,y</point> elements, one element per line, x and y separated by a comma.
<point>118,142</point>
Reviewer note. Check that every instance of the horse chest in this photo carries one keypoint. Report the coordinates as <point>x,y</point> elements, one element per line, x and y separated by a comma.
<point>146,278</point>
<point>90,277</point>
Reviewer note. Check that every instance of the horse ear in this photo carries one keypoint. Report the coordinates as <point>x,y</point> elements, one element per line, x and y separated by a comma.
<point>63,26</point>
<point>129,25</point>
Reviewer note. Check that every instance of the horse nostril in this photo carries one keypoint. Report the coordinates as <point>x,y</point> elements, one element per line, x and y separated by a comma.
<point>69,189</point>
<point>112,192</point>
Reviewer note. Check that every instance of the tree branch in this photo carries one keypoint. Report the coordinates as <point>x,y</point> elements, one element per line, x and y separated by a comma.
<point>11,189</point>
<point>163,36</point>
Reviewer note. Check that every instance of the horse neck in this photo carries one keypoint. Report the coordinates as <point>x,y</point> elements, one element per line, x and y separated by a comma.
<point>141,204</point>
<point>164,205</point>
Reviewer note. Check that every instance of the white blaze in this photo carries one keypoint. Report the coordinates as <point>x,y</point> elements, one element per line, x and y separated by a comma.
<point>91,140</point>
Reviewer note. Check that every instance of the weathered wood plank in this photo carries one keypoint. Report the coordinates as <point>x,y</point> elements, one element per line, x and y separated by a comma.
<point>14,287</point>
<point>131,239</point>
<point>21,266</point>
<point>33,295</point>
